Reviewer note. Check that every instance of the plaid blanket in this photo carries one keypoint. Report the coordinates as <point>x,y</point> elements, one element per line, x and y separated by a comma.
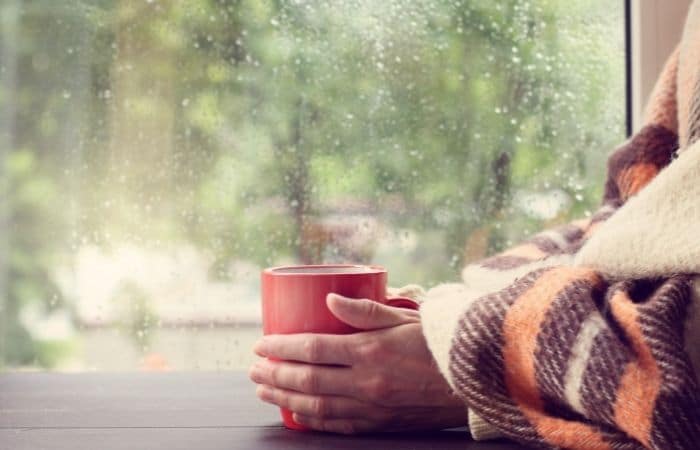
<point>588,336</point>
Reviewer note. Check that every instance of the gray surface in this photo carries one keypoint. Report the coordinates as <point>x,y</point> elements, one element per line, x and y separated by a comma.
<point>169,411</point>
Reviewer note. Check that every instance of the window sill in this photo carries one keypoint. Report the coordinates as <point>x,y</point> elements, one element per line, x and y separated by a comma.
<point>175,410</point>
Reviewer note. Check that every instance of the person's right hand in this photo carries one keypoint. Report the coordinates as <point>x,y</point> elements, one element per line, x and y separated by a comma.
<point>380,379</point>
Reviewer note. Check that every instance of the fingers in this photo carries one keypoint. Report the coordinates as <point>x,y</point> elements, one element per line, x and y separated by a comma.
<point>305,378</point>
<point>342,426</point>
<point>320,407</point>
<point>308,348</point>
<point>368,314</point>
<point>330,348</point>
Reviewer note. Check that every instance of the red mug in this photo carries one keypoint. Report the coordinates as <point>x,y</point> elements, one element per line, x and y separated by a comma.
<point>294,300</point>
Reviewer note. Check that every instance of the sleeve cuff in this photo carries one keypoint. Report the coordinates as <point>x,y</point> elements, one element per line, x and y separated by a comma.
<point>481,430</point>
<point>412,291</point>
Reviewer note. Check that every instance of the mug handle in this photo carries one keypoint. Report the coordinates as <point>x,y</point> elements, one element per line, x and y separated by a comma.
<point>403,302</point>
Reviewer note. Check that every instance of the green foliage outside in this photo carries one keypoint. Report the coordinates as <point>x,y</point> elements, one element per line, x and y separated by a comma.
<point>239,125</point>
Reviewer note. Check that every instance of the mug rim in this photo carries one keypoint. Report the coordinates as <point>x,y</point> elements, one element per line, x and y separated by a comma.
<point>277,271</point>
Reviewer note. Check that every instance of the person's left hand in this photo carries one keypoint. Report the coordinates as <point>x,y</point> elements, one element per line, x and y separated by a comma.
<point>380,379</point>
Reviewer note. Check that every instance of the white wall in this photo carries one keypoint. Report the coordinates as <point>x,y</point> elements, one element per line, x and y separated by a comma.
<point>656,29</point>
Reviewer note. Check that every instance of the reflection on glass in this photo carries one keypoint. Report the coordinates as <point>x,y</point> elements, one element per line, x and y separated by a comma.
<point>156,154</point>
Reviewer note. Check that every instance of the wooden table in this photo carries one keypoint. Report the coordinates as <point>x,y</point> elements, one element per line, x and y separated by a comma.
<point>200,411</point>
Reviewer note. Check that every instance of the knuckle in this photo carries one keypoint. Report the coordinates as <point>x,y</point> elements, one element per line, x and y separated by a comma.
<point>275,374</point>
<point>385,417</point>
<point>371,351</point>
<point>319,407</point>
<point>274,397</point>
<point>278,399</point>
<point>312,349</point>
<point>372,308</point>
<point>378,388</point>
<point>347,427</point>
<point>351,347</point>
<point>309,381</point>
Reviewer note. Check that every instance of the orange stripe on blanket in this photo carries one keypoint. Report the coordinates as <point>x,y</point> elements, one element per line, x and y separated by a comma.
<point>661,108</point>
<point>641,380</point>
<point>530,251</point>
<point>592,228</point>
<point>521,327</point>
<point>582,224</point>
<point>634,178</point>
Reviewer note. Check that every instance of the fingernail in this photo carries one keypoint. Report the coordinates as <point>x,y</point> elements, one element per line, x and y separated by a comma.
<point>263,392</point>
<point>336,297</point>
<point>254,372</point>
<point>260,347</point>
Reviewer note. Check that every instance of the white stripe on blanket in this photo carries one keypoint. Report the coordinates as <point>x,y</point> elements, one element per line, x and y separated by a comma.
<point>578,360</point>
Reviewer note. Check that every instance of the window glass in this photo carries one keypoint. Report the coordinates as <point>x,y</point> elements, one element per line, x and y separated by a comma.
<point>156,154</point>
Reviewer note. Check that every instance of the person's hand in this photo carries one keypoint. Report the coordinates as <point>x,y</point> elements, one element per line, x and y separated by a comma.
<point>381,379</point>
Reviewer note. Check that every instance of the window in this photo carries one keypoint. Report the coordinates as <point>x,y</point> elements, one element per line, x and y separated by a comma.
<point>157,154</point>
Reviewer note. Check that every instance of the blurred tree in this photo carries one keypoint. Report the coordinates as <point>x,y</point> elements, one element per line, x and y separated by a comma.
<point>252,129</point>
<point>8,59</point>
<point>33,231</point>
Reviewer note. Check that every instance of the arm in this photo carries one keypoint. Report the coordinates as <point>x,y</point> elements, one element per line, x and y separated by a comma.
<point>511,341</point>
<point>379,379</point>
<point>555,355</point>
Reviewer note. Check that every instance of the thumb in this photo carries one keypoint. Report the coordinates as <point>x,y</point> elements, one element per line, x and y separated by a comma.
<point>366,314</point>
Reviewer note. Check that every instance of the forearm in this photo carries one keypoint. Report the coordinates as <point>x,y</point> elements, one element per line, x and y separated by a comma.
<point>543,363</point>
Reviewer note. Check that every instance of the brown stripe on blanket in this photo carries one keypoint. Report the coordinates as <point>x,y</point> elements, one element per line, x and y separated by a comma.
<point>571,233</point>
<point>601,378</point>
<point>558,333</point>
<point>476,362</point>
<point>546,244</point>
<point>637,161</point>
<point>605,212</point>
<point>536,248</point>
<point>600,383</point>
<point>688,73</point>
<point>676,420</point>
<point>694,115</point>
<point>503,262</point>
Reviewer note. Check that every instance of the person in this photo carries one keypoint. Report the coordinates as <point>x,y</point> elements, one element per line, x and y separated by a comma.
<point>585,336</point>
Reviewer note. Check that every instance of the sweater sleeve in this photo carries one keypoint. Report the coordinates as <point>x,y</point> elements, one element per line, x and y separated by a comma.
<point>562,359</point>
<point>554,355</point>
